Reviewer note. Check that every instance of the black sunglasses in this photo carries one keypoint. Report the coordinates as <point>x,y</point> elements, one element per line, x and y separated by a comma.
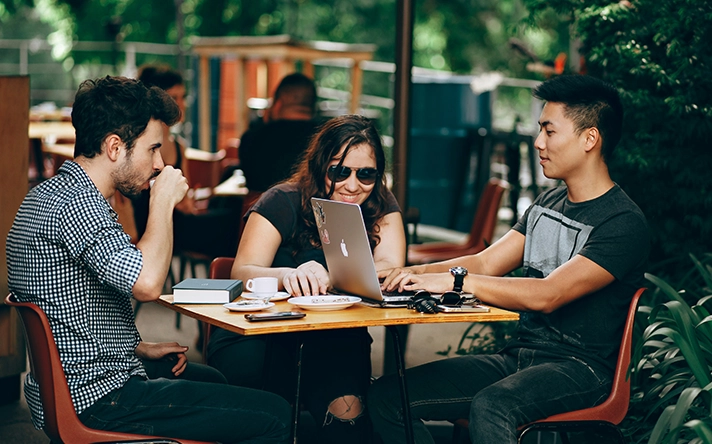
<point>424,302</point>
<point>366,176</point>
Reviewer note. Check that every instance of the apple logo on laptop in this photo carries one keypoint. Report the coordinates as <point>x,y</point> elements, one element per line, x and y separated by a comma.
<point>344,251</point>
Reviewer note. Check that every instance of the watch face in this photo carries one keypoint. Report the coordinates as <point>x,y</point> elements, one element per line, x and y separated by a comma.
<point>458,271</point>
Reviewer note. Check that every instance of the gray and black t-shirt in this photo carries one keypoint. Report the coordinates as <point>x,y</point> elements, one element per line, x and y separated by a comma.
<point>610,231</point>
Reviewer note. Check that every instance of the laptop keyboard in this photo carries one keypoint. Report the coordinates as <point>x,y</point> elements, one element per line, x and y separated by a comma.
<point>398,293</point>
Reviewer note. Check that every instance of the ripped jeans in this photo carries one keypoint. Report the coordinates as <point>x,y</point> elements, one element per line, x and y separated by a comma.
<point>335,364</point>
<point>497,393</point>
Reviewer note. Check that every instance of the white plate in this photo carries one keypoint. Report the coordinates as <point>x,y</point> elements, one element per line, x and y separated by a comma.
<point>248,305</point>
<point>279,296</point>
<point>324,303</point>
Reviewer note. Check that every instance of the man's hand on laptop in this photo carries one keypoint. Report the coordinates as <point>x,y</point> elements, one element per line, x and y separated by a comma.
<point>308,279</point>
<point>412,278</point>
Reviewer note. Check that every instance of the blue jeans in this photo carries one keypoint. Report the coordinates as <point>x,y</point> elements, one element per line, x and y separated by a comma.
<point>497,393</point>
<point>201,411</point>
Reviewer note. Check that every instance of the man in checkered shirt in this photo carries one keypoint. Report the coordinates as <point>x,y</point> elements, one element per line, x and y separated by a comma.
<point>68,254</point>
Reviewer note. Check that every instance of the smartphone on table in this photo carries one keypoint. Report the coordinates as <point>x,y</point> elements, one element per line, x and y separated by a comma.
<point>461,308</point>
<point>274,316</point>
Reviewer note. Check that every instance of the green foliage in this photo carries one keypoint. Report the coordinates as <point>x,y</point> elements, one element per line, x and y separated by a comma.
<point>658,54</point>
<point>672,363</point>
<point>483,338</point>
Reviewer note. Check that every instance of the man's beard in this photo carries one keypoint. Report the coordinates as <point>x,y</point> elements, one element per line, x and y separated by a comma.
<point>127,181</point>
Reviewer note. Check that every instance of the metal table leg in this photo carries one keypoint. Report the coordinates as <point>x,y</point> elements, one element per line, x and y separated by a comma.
<point>400,367</point>
<point>295,423</point>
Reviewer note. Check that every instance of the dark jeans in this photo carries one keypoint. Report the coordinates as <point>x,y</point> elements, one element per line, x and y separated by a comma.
<point>497,393</point>
<point>193,371</point>
<point>203,411</point>
<point>335,363</point>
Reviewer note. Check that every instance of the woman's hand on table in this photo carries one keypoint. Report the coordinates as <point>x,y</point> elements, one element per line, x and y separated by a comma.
<point>308,279</point>
<point>168,351</point>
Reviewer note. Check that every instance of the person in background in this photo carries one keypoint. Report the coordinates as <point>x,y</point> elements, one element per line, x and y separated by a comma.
<point>583,248</point>
<point>173,149</point>
<point>67,253</point>
<point>269,152</point>
<point>344,162</point>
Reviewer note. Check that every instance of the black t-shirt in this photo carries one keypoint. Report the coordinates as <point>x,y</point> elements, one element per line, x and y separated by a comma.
<point>280,205</point>
<point>269,152</point>
<point>610,231</point>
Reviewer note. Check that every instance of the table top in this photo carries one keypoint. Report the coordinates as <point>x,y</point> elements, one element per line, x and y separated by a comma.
<point>56,129</point>
<point>65,150</point>
<point>230,187</point>
<point>358,315</point>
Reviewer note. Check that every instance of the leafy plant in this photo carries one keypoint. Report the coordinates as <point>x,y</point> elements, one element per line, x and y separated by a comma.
<point>658,54</point>
<point>672,363</point>
<point>482,338</point>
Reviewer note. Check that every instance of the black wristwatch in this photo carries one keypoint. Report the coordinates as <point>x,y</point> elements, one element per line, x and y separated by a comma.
<point>459,273</point>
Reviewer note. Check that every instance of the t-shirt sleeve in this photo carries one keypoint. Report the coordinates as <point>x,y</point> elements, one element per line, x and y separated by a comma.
<point>391,203</point>
<point>95,239</point>
<point>619,244</point>
<point>281,211</point>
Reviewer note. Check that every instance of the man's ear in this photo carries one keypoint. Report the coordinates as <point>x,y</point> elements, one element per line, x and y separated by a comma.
<point>593,138</point>
<point>113,146</point>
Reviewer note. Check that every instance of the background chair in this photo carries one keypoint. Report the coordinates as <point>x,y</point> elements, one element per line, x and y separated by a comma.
<point>481,233</point>
<point>602,419</point>
<point>220,268</point>
<point>198,235</point>
<point>61,421</point>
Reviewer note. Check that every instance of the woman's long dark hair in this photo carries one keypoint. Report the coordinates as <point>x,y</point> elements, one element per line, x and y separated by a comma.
<point>310,176</point>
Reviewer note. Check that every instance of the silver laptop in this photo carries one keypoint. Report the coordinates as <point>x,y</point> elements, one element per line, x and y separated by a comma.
<point>348,253</point>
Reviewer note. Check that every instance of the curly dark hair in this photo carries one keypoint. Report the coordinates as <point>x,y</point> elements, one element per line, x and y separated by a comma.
<point>310,176</point>
<point>117,105</point>
<point>160,75</point>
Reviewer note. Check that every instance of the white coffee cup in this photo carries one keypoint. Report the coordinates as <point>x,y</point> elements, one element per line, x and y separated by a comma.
<point>262,286</point>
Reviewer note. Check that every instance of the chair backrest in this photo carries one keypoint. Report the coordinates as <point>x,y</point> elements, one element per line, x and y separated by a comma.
<point>204,169</point>
<point>485,220</point>
<point>220,267</point>
<point>61,421</point>
<point>614,408</point>
<point>46,367</point>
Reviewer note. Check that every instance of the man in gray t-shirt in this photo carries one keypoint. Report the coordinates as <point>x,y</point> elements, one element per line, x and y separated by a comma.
<point>582,248</point>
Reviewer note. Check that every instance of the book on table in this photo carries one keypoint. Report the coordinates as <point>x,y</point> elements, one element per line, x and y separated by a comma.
<point>206,291</point>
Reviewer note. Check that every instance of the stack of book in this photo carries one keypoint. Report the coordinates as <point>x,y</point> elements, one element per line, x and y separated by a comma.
<point>206,291</point>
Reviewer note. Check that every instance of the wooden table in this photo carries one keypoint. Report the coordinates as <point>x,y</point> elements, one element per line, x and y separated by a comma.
<point>48,133</point>
<point>356,316</point>
<point>52,129</point>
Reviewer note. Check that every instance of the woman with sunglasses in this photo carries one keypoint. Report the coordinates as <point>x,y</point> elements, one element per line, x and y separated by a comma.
<point>344,162</point>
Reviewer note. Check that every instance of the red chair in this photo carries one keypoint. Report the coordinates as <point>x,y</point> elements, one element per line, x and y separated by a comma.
<point>604,417</point>
<point>481,233</point>
<point>61,421</point>
<point>220,268</point>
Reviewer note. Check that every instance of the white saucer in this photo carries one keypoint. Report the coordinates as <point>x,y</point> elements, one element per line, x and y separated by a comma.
<point>279,296</point>
<point>324,303</point>
<point>249,305</point>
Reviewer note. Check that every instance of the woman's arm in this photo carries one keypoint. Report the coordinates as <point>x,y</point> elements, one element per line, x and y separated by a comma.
<point>390,251</point>
<point>258,246</point>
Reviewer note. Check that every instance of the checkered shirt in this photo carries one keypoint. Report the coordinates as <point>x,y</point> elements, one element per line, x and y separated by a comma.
<point>67,253</point>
